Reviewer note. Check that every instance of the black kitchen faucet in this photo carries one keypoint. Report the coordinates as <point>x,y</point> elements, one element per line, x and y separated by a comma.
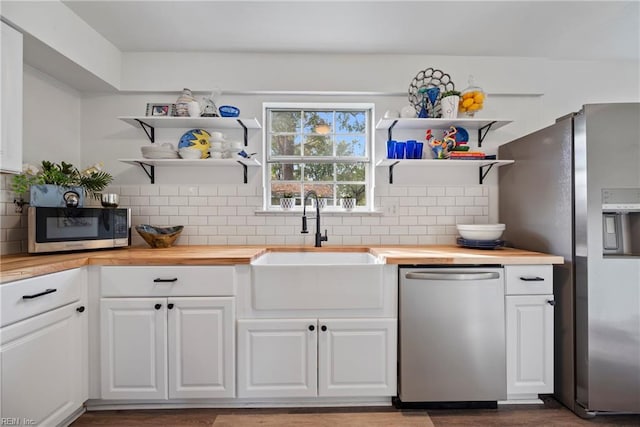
<point>319,237</point>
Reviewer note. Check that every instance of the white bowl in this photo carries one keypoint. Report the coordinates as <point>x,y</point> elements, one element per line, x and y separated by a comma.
<point>480,231</point>
<point>190,153</point>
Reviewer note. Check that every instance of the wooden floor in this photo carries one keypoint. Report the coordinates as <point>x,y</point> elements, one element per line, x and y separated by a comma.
<point>551,413</point>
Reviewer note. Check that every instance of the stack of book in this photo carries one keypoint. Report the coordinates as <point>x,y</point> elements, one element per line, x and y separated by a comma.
<point>467,155</point>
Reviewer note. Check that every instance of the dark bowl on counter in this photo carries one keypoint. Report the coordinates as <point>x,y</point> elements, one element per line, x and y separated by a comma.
<point>159,237</point>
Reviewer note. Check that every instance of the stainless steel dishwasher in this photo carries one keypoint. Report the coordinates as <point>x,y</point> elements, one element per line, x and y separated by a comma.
<point>452,336</point>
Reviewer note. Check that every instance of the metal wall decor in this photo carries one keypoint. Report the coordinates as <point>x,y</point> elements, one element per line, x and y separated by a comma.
<point>419,89</point>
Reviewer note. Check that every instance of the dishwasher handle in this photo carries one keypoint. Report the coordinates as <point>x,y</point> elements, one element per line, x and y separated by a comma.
<point>485,275</point>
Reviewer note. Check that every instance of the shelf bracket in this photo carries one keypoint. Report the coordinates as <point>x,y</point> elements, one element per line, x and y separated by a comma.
<point>148,129</point>
<point>482,132</point>
<point>246,133</point>
<point>244,169</point>
<point>391,171</point>
<point>390,130</point>
<point>483,173</point>
<point>151,172</point>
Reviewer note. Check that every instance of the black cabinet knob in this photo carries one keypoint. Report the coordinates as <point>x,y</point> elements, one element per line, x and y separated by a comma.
<point>551,302</point>
<point>323,328</point>
<point>170,305</point>
<point>80,309</point>
<point>158,306</point>
<point>312,328</point>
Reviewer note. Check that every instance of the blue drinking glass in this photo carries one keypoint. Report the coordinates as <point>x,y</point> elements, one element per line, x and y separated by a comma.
<point>417,154</point>
<point>400,147</point>
<point>411,149</point>
<point>391,149</point>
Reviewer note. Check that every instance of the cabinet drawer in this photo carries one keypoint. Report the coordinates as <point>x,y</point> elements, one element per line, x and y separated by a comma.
<point>528,279</point>
<point>167,281</point>
<point>29,297</point>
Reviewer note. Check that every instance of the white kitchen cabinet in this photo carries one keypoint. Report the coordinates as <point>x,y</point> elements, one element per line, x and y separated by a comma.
<point>529,307</point>
<point>133,336</point>
<point>149,125</point>
<point>43,357</point>
<point>11,95</point>
<point>172,344</point>
<point>310,357</point>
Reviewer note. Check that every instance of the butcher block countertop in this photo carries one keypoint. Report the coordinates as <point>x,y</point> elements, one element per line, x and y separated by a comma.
<point>22,266</point>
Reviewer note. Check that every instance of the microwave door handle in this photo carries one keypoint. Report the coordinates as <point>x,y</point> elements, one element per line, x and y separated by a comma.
<point>485,275</point>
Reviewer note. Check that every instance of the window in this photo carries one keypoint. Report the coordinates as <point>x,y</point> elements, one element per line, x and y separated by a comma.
<point>326,148</point>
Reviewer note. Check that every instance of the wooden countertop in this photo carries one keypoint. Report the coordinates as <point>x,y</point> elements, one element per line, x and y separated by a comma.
<point>22,266</point>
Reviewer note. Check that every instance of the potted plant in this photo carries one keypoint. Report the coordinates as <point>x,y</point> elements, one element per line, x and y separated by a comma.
<point>348,199</point>
<point>287,201</point>
<point>449,104</point>
<point>54,182</point>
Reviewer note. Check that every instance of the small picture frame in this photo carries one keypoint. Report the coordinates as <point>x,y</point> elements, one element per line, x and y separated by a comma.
<point>160,110</point>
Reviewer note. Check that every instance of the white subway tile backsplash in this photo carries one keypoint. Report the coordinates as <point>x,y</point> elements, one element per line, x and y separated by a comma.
<point>178,200</point>
<point>158,200</point>
<point>145,190</point>
<point>149,210</point>
<point>436,191</point>
<point>226,215</point>
<point>169,190</point>
<point>188,210</point>
<point>198,201</point>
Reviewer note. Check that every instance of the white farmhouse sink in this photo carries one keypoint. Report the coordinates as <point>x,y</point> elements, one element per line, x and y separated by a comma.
<point>316,280</point>
<point>316,258</point>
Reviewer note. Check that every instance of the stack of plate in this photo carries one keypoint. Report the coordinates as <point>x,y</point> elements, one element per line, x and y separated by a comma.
<point>480,236</point>
<point>159,151</point>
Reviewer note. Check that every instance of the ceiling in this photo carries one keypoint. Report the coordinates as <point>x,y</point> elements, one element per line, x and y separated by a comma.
<point>580,30</point>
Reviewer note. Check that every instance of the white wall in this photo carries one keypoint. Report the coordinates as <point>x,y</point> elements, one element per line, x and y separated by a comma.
<point>531,92</point>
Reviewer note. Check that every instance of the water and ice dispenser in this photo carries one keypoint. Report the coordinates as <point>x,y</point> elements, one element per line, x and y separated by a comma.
<point>621,221</point>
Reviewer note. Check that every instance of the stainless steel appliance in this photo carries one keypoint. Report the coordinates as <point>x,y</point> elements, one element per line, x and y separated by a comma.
<point>574,191</point>
<point>72,229</point>
<point>452,336</point>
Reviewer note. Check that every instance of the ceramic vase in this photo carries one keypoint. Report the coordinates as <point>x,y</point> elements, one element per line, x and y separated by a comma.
<point>182,103</point>
<point>53,196</point>
<point>287,203</point>
<point>449,106</point>
<point>348,203</point>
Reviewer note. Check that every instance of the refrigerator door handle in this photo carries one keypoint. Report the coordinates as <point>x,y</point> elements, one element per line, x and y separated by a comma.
<point>453,276</point>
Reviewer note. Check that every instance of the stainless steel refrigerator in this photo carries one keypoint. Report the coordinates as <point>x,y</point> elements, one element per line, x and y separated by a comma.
<point>574,191</point>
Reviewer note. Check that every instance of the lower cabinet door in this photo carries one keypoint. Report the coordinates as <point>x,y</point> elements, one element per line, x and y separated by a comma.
<point>277,358</point>
<point>357,357</point>
<point>133,347</point>
<point>201,347</point>
<point>529,345</point>
<point>41,368</point>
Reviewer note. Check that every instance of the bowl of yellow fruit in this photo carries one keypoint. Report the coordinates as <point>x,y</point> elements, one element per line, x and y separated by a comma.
<point>471,99</point>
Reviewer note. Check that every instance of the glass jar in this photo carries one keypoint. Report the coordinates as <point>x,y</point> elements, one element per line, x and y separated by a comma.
<point>471,99</point>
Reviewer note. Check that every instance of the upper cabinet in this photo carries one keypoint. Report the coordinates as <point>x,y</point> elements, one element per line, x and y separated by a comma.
<point>11,94</point>
<point>149,125</point>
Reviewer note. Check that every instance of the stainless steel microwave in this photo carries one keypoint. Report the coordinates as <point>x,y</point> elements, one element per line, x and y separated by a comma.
<point>73,229</point>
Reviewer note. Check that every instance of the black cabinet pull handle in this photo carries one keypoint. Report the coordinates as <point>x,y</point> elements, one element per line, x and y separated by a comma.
<point>532,279</point>
<point>158,306</point>
<point>312,328</point>
<point>48,291</point>
<point>551,302</point>
<point>170,305</point>
<point>158,280</point>
<point>323,327</point>
<point>80,309</point>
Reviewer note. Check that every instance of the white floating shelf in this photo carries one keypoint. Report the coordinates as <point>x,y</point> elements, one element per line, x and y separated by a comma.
<point>149,165</point>
<point>192,162</point>
<point>442,162</point>
<point>484,165</point>
<point>415,123</point>
<point>193,122</point>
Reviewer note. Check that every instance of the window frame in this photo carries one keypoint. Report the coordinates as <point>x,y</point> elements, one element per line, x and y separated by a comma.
<point>368,160</point>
